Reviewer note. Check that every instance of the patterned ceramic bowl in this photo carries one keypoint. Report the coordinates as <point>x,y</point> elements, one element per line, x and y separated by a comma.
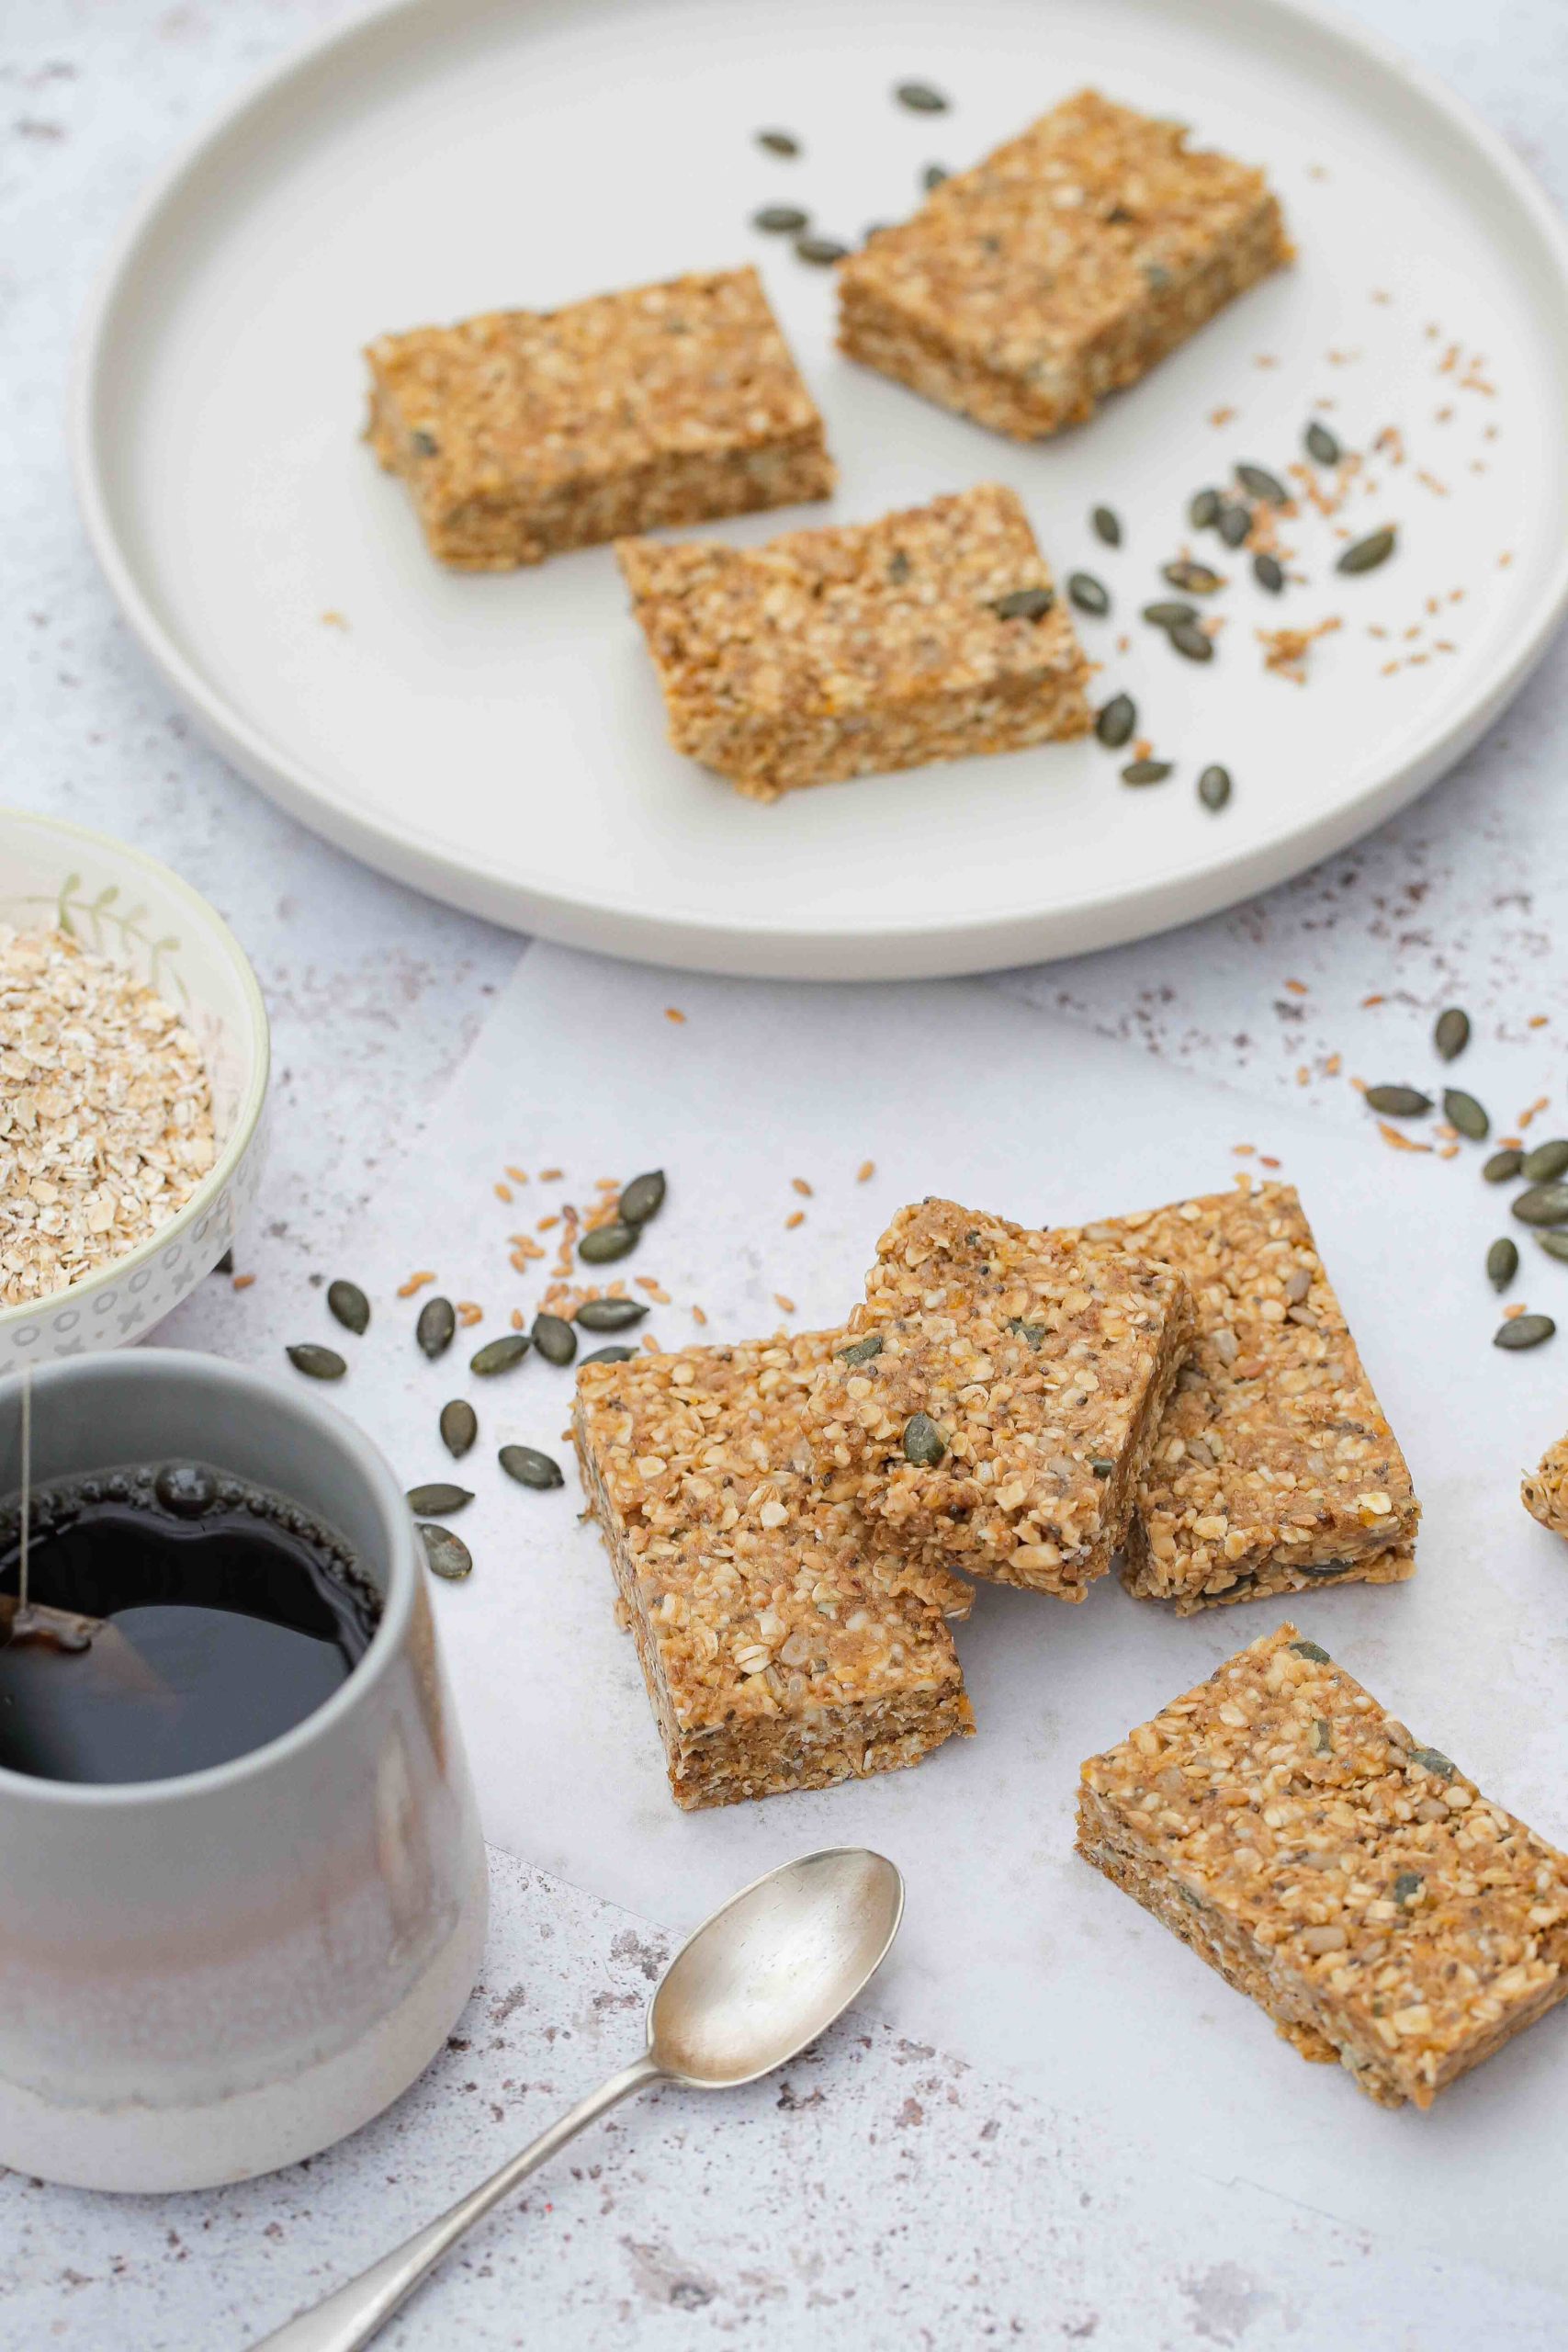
<point>128,907</point>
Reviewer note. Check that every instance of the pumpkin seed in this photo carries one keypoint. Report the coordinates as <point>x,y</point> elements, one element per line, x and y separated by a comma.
<point>821,251</point>
<point>781,220</point>
<point>1195,578</point>
<point>1398,1102</point>
<point>1502,1165</point>
<point>920,98</point>
<point>1322,1738</point>
<point>1192,642</point>
<point>1432,1759</point>
<point>425,1501</point>
<point>1203,510</point>
<point>1262,484</point>
<point>1169,615</point>
<point>1147,771</point>
<point>435,1328</point>
<point>530,1467</point>
<point>1322,1568</point>
<point>1548,1160</point>
<point>445,1554</point>
<point>1090,594</point>
<point>1554,1244</point>
<point>1463,1112</point>
<point>459,1426</point>
<point>1543,1204</point>
<point>316,1363</point>
<point>615,1354</point>
<point>1114,723</point>
<point>1367,554</point>
<point>499,1355</point>
<point>1235,523</point>
<point>1321,443</point>
<point>779,143</point>
<point>1451,1033</point>
<point>933,176</point>
<point>923,1443</point>
<point>424,444</point>
<point>862,1351</point>
<point>553,1338</point>
<point>1269,572</point>
<point>1407,1886</point>
<point>1214,787</point>
<point>1034,1333</point>
<point>1107,525</point>
<point>1502,1262</point>
<point>1318,1656</point>
<point>1100,1464</point>
<point>1524,1332</point>
<point>348,1304</point>
<point>603,1244</point>
<point>1024,604</point>
<point>643,1197</point>
<point>610,1314</point>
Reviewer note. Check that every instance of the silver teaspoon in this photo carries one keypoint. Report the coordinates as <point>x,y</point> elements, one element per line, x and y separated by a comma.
<point>761,1979</point>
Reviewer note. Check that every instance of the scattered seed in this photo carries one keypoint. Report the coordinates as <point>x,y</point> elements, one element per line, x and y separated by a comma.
<point>1321,443</point>
<point>1318,1656</point>
<point>1196,578</point>
<point>499,1355</point>
<point>1502,1165</point>
<point>610,1314</point>
<point>1090,594</point>
<point>933,176</point>
<point>1203,510</point>
<point>1195,643</point>
<point>821,251</point>
<point>1114,723</point>
<point>1024,604</point>
<point>447,1555</point>
<point>1398,1102</point>
<point>553,1338</point>
<point>460,1427</point>
<point>643,1197</point>
<point>1234,525</point>
<point>1451,1033</point>
<point>1262,484</point>
<point>862,1351</point>
<point>1543,1204</point>
<point>1547,1160</point>
<point>1214,787</point>
<point>1269,572</point>
<point>1554,1244</point>
<point>923,1443</point>
<point>779,143</point>
<point>530,1467</point>
<point>1107,525</point>
<point>1502,1262</point>
<point>920,98</point>
<point>1367,554</point>
<point>1147,771</point>
<point>316,1363</point>
<point>435,1328</point>
<point>615,1354</point>
<point>781,220</point>
<point>1463,1112</point>
<point>348,1304</point>
<point>425,1501</point>
<point>1524,1332</point>
<point>604,1243</point>
<point>1169,615</point>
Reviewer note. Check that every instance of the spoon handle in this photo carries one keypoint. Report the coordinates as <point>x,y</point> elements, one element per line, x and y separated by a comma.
<point>348,2318</point>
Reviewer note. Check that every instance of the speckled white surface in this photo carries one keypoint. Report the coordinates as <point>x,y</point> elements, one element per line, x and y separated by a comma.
<point>871,2192</point>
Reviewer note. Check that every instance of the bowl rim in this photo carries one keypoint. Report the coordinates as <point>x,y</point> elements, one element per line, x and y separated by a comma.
<point>248,1115</point>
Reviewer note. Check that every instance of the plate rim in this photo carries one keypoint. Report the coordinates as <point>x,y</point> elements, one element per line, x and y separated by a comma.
<point>897,948</point>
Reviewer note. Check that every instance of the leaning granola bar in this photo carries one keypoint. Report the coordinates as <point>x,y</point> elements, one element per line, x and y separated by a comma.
<point>1060,268</point>
<point>524,433</point>
<point>1001,1393</point>
<point>1544,1489</point>
<point>929,634</point>
<point>783,1646</point>
<point>1354,1882</point>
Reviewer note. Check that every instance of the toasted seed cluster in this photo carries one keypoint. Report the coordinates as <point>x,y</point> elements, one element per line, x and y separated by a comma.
<point>1544,1489</point>
<point>1351,1880</point>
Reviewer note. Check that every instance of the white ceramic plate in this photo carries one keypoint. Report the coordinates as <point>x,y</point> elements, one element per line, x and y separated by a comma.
<point>499,739</point>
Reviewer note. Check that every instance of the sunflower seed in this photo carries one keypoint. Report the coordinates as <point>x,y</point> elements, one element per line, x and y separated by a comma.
<point>1502,1262</point>
<point>437,1322</point>
<point>862,1351</point>
<point>1107,525</point>
<point>1554,1244</point>
<point>1214,787</point>
<point>1451,1033</point>
<point>445,1554</point>
<point>923,1443</point>
<point>615,1354</point>
<point>1367,554</point>
<point>779,143</point>
<point>643,1197</point>
<point>1524,1332</point>
<point>1114,723</point>
<point>1269,572</point>
<point>1502,1165</point>
<point>933,176</point>
<point>1234,525</point>
<point>347,1303</point>
<point>499,1355</point>
<point>425,1501</point>
<point>1398,1102</point>
<point>1321,443</point>
<point>821,251</point>
<point>1024,604</point>
<point>1262,484</point>
<point>781,220</point>
<point>530,1467</point>
<point>920,98</point>
<point>553,1338</point>
<point>1147,771</point>
<point>610,1314</point>
<point>604,1243</point>
<point>1203,510</point>
<point>1548,1160</point>
<point>1543,1204</point>
<point>1318,1656</point>
<point>1463,1112</point>
<point>1090,594</point>
<point>1192,642</point>
<point>1195,578</point>
<point>1169,615</point>
<point>316,1363</point>
<point>460,1427</point>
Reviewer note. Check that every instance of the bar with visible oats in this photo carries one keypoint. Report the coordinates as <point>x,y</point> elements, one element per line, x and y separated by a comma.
<point>932,634</point>
<point>783,1645</point>
<point>1544,1489</point>
<point>1354,1882</point>
<point>522,434</point>
<point>1274,1469</point>
<point>999,1394</point>
<point>1060,268</point>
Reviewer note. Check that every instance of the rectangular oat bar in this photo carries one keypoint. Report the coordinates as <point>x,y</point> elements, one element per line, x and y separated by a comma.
<point>1060,268</point>
<point>1354,1882</point>
<point>782,1645</point>
<point>933,634</point>
<point>1274,1469</point>
<point>999,1394</point>
<point>521,433</point>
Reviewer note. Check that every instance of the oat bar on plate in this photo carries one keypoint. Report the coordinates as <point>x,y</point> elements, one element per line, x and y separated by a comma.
<point>931,635</point>
<point>1060,268</point>
<point>524,433</point>
<point>1353,1881</point>
<point>1273,1469</point>
<point>1000,1392</point>
<point>783,1646</point>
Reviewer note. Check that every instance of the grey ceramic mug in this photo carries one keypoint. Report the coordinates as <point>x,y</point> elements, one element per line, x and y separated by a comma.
<point>206,1977</point>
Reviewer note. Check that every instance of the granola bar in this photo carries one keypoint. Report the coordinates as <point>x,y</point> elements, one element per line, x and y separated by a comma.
<point>929,634</point>
<point>999,1394</point>
<point>524,433</point>
<point>1273,1470</point>
<point>1354,1882</point>
<point>1545,1489</point>
<point>1060,268</point>
<point>783,1646</point>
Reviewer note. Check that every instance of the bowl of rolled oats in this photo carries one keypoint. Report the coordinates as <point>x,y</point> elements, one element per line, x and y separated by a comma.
<point>133,1071</point>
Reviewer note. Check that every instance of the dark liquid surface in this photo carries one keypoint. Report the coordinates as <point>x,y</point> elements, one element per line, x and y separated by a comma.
<point>230,1616</point>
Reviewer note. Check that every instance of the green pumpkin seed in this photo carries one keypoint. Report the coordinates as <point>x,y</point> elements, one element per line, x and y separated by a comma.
<point>1463,1112</point>
<point>1101,1465</point>
<point>933,176</point>
<point>1451,1033</point>
<point>1502,1165</point>
<point>924,1445</point>
<point>1502,1262</point>
<point>437,1322</point>
<point>553,1338</point>
<point>425,1501</point>
<point>1321,443</point>
<point>530,1467</point>
<point>1368,553</point>
<point>781,220</point>
<point>499,1355</point>
<point>1035,1333</point>
<point>1318,1656</point>
<point>1024,604</point>
<point>1261,483</point>
<point>1398,1102</point>
<point>1233,525</point>
<point>1432,1759</point>
<point>1322,1568</point>
<point>613,1355</point>
<point>610,1314</point>
<point>1114,723</point>
<point>1169,615</point>
<point>920,98</point>
<point>1147,771</point>
<point>1407,1886</point>
<point>1214,787</point>
<point>1548,1160</point>
<point>1322,1738</point>
<point>460,1427</point>
<point>820,252</point>
<point>1203,510</point>
<point>1196,578</point>
<point>862,1351</point>
<point>1193,643</point>
<point>347,1303</point>
<point>1554,1244</point>
<point>603,1244</point>
<point>1269,572</point>
<point>1090,594</point>
<point>1524,1332</point>
<point>447,1555</point>
<point>1543,1204</point>
<point>779,143</point>
<point>316,1363</point>
<point>1107,525</point>
<point>643,1197</point>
